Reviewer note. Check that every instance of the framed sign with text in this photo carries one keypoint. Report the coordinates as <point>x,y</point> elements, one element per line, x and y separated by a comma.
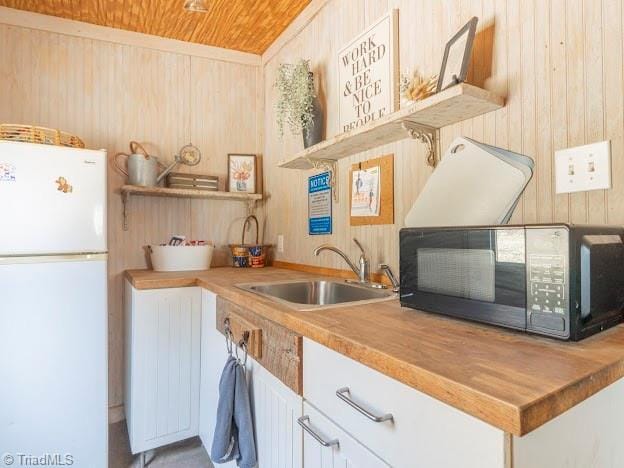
<point>368,74</point>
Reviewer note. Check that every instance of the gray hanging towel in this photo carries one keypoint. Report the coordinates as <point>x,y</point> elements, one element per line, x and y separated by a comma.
<point>234,435</point>
<point>224,444</point>
<point>246,457</point>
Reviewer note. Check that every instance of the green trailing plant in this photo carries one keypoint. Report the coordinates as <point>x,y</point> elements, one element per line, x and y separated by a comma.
<point>295,102</point>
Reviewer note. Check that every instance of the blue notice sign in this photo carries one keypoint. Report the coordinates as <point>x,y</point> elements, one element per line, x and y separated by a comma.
<point>319,204</point>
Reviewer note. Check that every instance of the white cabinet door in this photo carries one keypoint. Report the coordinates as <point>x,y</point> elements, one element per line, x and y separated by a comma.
<point>325,445</point>
<point>162,365</point>
<point>213,356</point>
<point>276,410</point>
<point>275,407</point>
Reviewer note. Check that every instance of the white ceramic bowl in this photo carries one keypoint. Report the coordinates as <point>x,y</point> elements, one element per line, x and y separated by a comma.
<point>181,258</point>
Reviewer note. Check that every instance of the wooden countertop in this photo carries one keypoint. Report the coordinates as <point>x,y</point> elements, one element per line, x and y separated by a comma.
<point>511,380</point>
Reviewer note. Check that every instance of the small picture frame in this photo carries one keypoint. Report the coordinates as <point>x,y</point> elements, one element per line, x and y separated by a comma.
<point>242,173</point>
<point>457,56</point>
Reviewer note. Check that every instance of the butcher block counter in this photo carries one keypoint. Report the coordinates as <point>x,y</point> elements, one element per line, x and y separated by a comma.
<point>513,381</point>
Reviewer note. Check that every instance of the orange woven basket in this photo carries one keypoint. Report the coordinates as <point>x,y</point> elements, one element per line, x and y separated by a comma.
<point>41,135</point>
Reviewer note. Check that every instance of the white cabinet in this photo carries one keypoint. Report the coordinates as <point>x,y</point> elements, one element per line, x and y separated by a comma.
<point>325,445</point>
<point>276,410</point>
<point>427,433</point>
<point>162,365</point>
<point>588,435</point>
<point>422,433</point>
<point>213,356</point>
<point>275,407</point>
<point>174,359</point>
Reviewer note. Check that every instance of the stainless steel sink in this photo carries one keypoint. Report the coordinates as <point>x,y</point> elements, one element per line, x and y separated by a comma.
<point>306,295</point>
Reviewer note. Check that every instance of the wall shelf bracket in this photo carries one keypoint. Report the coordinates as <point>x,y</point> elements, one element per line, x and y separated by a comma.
<point>426,136</point>
<point>125,199</point>
<point>330,165</point>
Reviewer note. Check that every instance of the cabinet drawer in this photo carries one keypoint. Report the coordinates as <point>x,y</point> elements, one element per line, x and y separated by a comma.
<point>279,349</point>
<point>325,445</point>
<point>423,432</point>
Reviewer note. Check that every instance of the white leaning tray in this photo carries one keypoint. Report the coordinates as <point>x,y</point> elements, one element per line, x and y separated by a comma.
<point>474,184</point>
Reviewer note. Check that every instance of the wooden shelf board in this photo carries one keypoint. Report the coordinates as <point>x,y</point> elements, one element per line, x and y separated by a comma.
<point>448,107</point>
<point>188,193</point>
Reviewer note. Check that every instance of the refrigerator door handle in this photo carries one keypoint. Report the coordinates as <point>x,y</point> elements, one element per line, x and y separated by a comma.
<point>25,259</point>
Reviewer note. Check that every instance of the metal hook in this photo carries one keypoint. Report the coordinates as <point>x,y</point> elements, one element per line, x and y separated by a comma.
<point>228,336</point>
<point>242,345</point>
<point>229,341</point>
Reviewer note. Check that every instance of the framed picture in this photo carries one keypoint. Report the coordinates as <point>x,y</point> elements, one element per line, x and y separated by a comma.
<point>368,74</point>
<point>242,173</point>
<point>457,56</point>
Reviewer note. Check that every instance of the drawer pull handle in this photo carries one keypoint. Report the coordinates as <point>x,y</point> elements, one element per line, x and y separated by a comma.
<point>306,427</point>
<point>342,394</point>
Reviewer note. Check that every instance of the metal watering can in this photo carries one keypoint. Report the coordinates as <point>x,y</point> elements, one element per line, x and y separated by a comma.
<point>143,169</point>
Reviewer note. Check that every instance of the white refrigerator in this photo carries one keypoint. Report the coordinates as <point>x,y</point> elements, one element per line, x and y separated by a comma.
<point>53,306</point>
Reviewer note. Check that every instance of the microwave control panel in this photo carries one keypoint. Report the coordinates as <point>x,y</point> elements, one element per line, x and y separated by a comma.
<point>547,276</point>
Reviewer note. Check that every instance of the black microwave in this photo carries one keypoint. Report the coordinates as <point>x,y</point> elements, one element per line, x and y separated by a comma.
<point>559,280</point>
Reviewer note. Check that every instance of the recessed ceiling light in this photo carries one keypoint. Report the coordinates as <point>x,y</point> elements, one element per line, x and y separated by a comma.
<point>196,6</point>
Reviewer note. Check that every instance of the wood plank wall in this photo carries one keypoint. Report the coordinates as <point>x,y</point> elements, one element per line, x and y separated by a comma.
<point>109,93</point>
<point>558,62</point>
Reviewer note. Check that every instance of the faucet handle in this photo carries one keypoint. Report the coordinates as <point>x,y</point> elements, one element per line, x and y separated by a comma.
<point>357,242</point>
<point>393,280</point>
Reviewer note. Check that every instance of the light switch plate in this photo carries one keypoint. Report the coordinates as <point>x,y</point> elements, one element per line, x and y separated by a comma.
<point>280,242</point>
<point>583,168</point>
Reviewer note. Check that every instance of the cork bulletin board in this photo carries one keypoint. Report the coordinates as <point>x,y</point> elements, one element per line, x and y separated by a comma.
<point>386,191</point>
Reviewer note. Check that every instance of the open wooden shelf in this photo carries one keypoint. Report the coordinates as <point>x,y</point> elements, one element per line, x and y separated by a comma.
<point>188,193</point>
<point>420,120</point>
<point>129,190</point>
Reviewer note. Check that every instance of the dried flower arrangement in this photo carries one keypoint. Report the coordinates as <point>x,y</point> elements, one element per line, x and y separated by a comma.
<point>416,87</point>
<point>294,107</point>
<point>241,171</point>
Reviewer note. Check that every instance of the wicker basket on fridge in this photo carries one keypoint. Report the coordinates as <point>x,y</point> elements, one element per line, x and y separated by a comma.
<point>42,135</point>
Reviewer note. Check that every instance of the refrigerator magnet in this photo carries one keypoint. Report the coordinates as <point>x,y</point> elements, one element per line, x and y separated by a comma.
<point>63,185</point>
<point>7,172</point>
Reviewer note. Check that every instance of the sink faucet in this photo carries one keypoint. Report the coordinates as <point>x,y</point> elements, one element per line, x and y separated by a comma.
<point>362,271</point>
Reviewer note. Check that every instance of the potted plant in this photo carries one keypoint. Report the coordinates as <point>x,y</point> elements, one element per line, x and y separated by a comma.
<point>297,105</point>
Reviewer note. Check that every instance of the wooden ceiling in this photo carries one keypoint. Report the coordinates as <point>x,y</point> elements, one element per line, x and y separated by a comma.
<point>245,25</point>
